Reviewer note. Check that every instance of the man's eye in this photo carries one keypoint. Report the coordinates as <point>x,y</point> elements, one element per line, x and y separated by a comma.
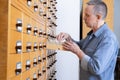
<point>87,15</point>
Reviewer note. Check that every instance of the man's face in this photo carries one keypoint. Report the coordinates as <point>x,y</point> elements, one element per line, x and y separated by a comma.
<point>89,17</point>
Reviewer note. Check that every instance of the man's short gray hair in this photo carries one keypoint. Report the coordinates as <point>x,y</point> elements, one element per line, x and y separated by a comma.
<point>99,7</point>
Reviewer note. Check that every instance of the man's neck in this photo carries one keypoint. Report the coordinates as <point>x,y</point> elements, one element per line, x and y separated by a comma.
<point>98,26</point>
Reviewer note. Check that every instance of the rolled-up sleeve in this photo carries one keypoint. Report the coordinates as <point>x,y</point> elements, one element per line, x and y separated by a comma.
<point>84,62</point>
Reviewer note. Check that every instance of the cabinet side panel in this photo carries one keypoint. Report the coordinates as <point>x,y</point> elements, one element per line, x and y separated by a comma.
<point>4,38</point>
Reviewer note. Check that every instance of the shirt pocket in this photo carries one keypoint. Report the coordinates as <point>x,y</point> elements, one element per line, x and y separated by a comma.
<point>89,51</point>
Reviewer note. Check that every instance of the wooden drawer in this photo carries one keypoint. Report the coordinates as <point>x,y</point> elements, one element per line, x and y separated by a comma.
<point>39,72</point>
<point>27,2</point>
<point>39,56</point>
<point>19,77</point>
<point>26,75</point>
<point>16,21</point>
<point>36,7</point>
<point>27,27</point>
<point>34,38</point>
<point>15,65</point>
<point>32,59</point>
<point>15,42</point>
<point>35,47</point>
<point>33,74</point>
<point>27,43</point>
<point>34,28</point>
<point>41,10</point>
<point>26,63</point>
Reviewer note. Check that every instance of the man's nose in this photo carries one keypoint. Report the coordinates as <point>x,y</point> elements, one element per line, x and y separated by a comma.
<point>84,18</point>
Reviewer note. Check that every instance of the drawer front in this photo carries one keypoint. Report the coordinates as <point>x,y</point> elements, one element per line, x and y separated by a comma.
<point>39,57</point>
<point>26,62</point>
<point>15,65</point>
<point>19,77</point>
<point>15,42</point>
<point>26,75</point>
<point>27,27</point>
<point>16,21</point>
<point>27,3</point>
<point>27,43</point>
<point>33,59</point>
<point>34,27</point>
<point>33,74</point>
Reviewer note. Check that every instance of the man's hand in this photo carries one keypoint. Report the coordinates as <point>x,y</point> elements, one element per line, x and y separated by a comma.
<point>73,47</point>
<point>64,36</point>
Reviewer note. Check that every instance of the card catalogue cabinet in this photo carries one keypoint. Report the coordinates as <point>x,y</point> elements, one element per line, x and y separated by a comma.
<point>27,31</point>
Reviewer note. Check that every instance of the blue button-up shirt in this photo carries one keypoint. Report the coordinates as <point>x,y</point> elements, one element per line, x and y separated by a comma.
<point>101,49</point>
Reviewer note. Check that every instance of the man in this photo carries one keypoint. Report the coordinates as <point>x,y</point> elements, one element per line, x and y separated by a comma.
<point>98,51</point>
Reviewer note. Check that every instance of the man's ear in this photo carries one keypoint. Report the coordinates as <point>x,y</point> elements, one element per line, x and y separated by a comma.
<point>99,16</point>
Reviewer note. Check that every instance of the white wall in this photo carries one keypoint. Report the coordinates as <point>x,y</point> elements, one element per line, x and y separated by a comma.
<point>117,18</point>
<point>68,21</point>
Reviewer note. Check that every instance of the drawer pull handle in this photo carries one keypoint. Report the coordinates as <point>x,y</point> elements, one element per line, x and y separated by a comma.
<point>40,46</point>
<point>40,12</point>
<point>53,13</point>
<point>51,1</point>
<point>27,67</point>
<point>29,28</point>
<point>44,2</point>
<point>54,7</point>
<point>50,25</point>
<point>48,34</point>
<point>18,71</point>
<point>44,45</point>
<point>27,64</point>
<point>41,0</point>
<point>44,34</point>
<point>39,74</point>
<point>19,25</point>
<point>28,79</point>
<point>18,47</point>
<point>29,2</point>
<point>56,10</point>
<point>35,7</point>
<point>39,59</point>
<point>48,18</point>
<point>34,76</point>
<point>49,7</point>
<point>40,33</point>
<point>18,68</point>
<point>51,10</point>
<point>53,4</point>
<point>44,58</point>
<point>28,47</point>
<point>35,46</point>
<point>44,15</point>
<point>35,31</point>
<point>43,70</point>
<point>34,62</point>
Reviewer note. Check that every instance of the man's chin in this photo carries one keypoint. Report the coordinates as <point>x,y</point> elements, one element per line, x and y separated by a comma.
<point>87,25</point>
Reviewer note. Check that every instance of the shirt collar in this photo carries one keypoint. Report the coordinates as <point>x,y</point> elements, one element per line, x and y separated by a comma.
<point>99,31</point>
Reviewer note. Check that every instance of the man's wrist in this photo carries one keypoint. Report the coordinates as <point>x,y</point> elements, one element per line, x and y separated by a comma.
<point>80,54</point>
